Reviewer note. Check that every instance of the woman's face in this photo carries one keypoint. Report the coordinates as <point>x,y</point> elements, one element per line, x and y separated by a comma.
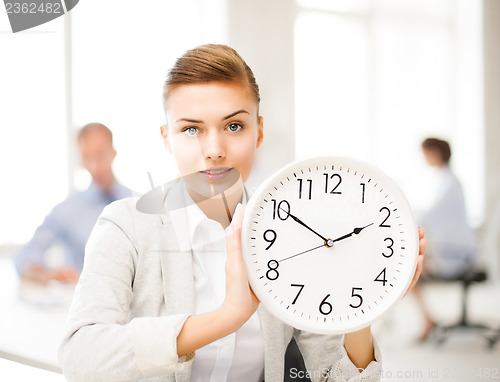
<point>433,158</point>
<point>212,131</point>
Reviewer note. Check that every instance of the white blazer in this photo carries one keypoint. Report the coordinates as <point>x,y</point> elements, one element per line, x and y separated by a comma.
<point>136,291</point>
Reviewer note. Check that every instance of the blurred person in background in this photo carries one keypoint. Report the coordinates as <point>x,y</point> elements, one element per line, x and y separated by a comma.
<point>71,221</point>
<point>451,250</point>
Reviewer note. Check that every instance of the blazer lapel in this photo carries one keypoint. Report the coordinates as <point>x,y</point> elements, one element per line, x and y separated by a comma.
<point>176,258</point>
<point>276,335</point>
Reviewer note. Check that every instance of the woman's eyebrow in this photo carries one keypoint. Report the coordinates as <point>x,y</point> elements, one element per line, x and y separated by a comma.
<point>226,117</point>
<point>235,113</point>
<point>189,120</point>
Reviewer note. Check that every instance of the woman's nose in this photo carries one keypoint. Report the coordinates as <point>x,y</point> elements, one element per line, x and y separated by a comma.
<point>214,146</point>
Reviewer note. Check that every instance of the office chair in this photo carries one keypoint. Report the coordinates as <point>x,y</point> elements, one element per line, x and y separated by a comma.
<point>441,333</point>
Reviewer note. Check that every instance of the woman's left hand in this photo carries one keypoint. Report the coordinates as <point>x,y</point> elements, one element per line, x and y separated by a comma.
<point>420,263</point>
<point>359,344</point>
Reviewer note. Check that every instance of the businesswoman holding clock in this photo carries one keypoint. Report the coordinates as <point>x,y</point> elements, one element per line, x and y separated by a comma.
<point>164,296</point>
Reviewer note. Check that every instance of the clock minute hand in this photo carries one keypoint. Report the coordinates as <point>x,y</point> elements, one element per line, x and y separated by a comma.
<point>355,231</point>
<point>301,253</point>
<point>305,225</point>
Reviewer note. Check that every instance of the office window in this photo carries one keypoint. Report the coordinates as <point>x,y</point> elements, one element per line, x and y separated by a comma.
<point>374,78</point>
<point>118,74</point>
<point>118,66</point>
<point>33,127</point>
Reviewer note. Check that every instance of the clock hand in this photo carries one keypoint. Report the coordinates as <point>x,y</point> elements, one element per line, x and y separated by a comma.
<point>355,232</point>
<point>327,242</point>
<point>301,253</point>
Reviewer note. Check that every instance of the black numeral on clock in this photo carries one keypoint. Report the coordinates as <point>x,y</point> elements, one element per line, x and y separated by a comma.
<point>300,187</point>
<point>339,180</point>
<point>357,296</point>
<point>382,277</point>
<point>325,307</point>
<point>280,209</point>
<point>272,273</point>
<point>383,225</point>
<point>270,240</point>
<point>362,192</point>
<point>301,286</point>
<point>389,247</point>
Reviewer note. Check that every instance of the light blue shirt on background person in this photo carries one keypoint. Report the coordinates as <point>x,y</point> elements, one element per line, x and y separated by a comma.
<point>69,223</point>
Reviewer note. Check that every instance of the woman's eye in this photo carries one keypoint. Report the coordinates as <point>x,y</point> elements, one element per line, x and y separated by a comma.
<point>191,130</point>
<point>234,127</point>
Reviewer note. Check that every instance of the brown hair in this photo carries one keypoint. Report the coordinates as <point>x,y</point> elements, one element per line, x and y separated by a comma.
<point>210,63</point>
<point>94,126</point>
<point>439,146</point>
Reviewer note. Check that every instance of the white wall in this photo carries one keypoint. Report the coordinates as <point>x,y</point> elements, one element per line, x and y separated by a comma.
<point>491,28</point>
<point>491,51</point>
<point>262,32</point>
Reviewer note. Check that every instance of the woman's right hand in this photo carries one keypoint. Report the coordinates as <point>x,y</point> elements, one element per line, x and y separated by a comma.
<point>238,306</point>
<point>240,302</point>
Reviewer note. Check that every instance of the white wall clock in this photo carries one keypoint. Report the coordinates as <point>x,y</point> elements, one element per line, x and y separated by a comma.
<point>330,244</point>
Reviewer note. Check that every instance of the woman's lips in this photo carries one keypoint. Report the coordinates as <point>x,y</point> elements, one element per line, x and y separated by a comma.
<point>216,173</point>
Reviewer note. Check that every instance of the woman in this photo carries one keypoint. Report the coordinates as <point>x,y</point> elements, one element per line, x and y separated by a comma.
<point>451,240</point>
<point>451,244</point>
<point>157,288</point>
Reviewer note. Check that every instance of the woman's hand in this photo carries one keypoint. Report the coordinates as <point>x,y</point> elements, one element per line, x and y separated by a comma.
<point>240,302</point>
<point>239,305</point>
<point>420,262</point>
<point>359,344</point>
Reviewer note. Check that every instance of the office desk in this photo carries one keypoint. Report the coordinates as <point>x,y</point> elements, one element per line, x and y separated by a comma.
<point>32,319</point>
<point>17,372</point>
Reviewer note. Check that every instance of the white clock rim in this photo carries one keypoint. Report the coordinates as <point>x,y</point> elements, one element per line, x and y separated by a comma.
<point>245,239</point>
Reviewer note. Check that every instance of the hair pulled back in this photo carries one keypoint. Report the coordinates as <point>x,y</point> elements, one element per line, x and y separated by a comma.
<point>210,63</point>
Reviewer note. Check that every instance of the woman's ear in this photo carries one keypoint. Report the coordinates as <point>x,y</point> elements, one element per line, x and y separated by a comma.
<point>260,132</point>
<point>164,135</point>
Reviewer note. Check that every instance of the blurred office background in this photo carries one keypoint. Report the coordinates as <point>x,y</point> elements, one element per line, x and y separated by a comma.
<point>363,78</point>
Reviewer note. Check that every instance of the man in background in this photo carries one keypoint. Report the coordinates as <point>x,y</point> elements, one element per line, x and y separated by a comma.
<point>70,222</point>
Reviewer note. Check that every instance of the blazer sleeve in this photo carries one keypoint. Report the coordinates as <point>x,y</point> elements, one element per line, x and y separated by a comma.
<point>101,343</point>
<point>326,359</point>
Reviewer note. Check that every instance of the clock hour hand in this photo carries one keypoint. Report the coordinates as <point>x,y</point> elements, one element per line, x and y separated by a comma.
<point>305,225</point>
<point>355,231</point>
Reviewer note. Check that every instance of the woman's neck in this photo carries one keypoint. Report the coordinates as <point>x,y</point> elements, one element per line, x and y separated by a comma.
<point>221,207</point>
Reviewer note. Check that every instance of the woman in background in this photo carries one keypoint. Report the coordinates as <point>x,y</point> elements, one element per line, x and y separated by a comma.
<point>450,240</point>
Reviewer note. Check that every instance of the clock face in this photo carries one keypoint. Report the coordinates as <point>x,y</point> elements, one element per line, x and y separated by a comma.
<point>330,244</point>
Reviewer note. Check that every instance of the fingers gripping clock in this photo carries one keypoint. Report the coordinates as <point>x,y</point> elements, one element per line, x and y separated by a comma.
<point>330,244</point>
